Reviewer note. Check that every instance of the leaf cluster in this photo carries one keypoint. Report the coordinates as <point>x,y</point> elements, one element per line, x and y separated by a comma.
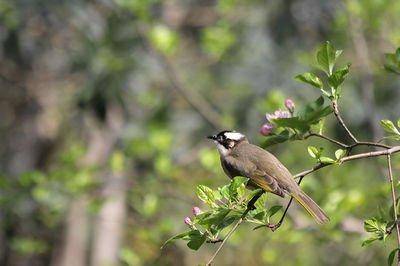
<point>226,205</point>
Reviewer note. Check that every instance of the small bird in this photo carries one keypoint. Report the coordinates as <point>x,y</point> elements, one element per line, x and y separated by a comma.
<point>240,158</point>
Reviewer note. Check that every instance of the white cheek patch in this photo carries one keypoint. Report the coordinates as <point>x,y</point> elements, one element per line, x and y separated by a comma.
<point>221,149</point>
<point>234,135</point>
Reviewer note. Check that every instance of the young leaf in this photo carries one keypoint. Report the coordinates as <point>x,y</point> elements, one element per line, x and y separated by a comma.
<point>236,183</point>
<point>224,191</point>
<point>273,210</point>
<point>196,239</point>
<point>314,152</point>
<point>313,112</point>
<point>206,194</point>
<point>326,57</point>
<point>326,160</point>
<point>277,138</point>
<point>339,154</point>
<point>184,236</point>
<point>337,78</point>
<point>389,127</point>
<point>260,203</point>
<point>214,218</point>
<point>391,256</point>
<point>311,79</point>
<point>369,241</point>
<point>292,122</point>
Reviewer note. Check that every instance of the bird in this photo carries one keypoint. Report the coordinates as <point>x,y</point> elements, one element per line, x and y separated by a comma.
<point>240,158</point>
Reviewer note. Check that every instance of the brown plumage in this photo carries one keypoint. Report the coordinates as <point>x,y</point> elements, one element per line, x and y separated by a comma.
<point>240,158</point>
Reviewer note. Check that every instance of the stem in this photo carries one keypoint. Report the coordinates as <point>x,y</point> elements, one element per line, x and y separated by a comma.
<point>394,206</point>
<point>250,205</point>
<point>341,122</point>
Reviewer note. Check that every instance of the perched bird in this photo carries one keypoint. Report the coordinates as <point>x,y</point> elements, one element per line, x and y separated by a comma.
<point>240,158</point>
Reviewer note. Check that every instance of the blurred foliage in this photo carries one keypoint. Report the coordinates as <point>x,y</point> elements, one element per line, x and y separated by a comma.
<point>77,71</point>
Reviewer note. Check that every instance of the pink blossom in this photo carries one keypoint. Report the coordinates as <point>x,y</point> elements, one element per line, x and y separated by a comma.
<point>196,211</point>
<point>187,221</point>
<point>289,104</point>
<point>266,129</point>
<point>277,114</point>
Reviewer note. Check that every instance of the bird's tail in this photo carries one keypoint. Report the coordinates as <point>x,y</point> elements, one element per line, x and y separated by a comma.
<point>312,208</point>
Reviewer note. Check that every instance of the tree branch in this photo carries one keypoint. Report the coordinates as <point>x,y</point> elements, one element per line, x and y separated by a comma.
<point>341,122</point>
<point>394,206</point>
<point>346,146</point>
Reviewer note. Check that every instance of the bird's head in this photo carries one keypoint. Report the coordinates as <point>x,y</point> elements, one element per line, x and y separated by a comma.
<point>226,140</point>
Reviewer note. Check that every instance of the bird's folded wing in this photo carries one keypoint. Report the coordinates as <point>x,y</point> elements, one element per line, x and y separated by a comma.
<point>257,177</point>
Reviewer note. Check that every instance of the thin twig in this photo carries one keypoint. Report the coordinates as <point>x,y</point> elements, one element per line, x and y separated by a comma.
<point>345,146</point>
<point>341,122</point>
<point>394,205</point>
<point>250,206</point>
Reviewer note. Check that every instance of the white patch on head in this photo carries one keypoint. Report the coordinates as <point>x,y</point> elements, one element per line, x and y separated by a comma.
<point>234,135</point>
<point>221,149</point>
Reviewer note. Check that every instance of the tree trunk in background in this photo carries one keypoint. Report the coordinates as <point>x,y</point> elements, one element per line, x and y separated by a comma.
<point>109,223</point>
<point>75,248</point>
<point>102,141</point>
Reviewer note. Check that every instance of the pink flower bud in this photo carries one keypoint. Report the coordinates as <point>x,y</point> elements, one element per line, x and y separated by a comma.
<point>266,129</point>
<point>187,221</point>
<point>196,211</point>
<point>289,104</point>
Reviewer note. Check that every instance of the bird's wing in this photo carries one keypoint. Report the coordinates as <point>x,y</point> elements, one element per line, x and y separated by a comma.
<point>257,176</point>
<point>269,164</point>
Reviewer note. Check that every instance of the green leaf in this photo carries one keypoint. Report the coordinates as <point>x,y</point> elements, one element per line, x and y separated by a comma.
<point>227,221</point>
<point>213,218</point>
<point>389,127</point>
<point>369,241</point>
<point>326,57</point>
<point>377,227</point>
<point>339,154</point>
<point>326,160</point>
<point>273,210</point>
<point>224,191</point>
<point>260,203</point>
<point>196,239</point>
<point>391,256</point>
<point>311,79</point>
<point>277,138</point>
<point>206,194</point>
<point>392,62</point>
<point>236,183</point>
<point>313,112</point>
<point>398,54</point>
<point>292,122</point>
<point>184,236</point>
<point>337,78</point>
<point>398,123</point>
<point>314,152</point>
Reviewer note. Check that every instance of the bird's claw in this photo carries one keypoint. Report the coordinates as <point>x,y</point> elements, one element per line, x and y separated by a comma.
<point>273,227</point>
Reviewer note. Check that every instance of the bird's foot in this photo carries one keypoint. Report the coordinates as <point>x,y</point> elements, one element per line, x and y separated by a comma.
<point>273,227</point>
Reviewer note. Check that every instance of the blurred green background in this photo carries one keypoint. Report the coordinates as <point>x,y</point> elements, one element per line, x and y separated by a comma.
<point>105,105</point>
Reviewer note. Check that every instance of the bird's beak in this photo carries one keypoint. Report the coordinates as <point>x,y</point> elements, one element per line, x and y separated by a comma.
<point>213,137</point>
